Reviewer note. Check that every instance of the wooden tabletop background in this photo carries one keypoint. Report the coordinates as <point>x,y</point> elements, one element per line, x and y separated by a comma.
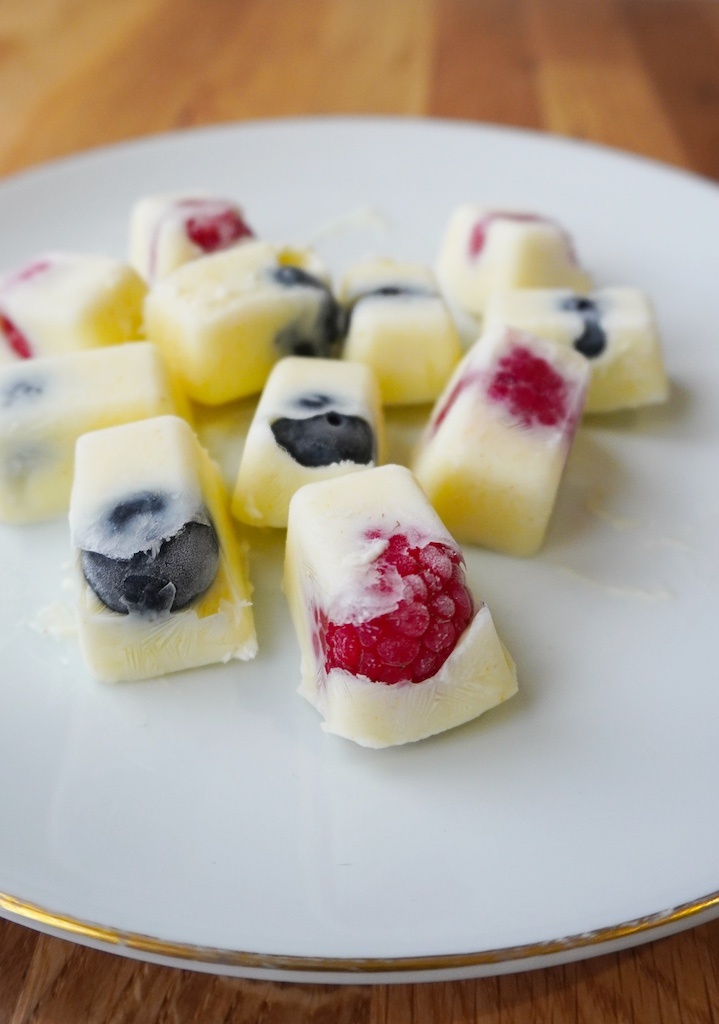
<point>641,75</point>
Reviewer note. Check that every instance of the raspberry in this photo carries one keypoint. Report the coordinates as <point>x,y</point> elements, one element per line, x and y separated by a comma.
<point>412,642</point>
<point>15,338</point>
<point>478,235</point>
<point>216,227</point>
<point>530,388</point>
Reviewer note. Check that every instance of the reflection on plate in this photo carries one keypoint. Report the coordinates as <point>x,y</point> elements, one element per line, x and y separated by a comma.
<point>206,818</point>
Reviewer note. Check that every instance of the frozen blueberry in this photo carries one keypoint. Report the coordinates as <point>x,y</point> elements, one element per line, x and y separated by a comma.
<point>22,390</point>
<point>326,439</point>
<point>292,276</point>
<point>313,401</point>
<point>162,577</point>
<point>581,304</point>
<point>318,338</point>
<point>593,339</point>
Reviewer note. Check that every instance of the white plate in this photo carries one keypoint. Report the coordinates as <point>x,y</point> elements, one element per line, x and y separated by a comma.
<point>207,820</point>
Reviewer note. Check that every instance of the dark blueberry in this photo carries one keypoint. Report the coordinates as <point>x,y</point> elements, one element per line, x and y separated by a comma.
<point>326,439</point>
<point>315,401</point>
<point>318,338</point>
<point>291,276</point>
<point>592,341</point>
<point>150,582</point>
<point>20,391</point>
<point>126,514</point>
<point>580,304</point>
<point>388,291</point>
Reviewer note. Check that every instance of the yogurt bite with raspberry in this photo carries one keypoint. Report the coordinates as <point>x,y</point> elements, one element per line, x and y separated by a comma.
<point>394,646</point>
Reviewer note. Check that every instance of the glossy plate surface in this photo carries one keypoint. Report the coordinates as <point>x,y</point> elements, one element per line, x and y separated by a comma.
<point>206,818</point>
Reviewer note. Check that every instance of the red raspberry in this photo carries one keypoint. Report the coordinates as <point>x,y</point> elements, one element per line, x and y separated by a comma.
<point>412,642</point>
<point>216,228</point>
<point>530,388</point>
<point>14,337</point>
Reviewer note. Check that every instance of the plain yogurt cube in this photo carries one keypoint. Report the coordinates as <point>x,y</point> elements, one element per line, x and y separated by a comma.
<point>486,250</point>
<point>162,583</point>
<point>400,326</point>
<point>394,647</point>
<point>223,321</point>
<point>62,302</point>
<point>494,451</point>
<point>614,328</point>
<point>316,418</point>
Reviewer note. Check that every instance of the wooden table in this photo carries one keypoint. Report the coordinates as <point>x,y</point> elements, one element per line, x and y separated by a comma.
<point>642,75</point>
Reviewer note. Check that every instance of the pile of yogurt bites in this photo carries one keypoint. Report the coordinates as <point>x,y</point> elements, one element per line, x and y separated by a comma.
<point>103,362</point>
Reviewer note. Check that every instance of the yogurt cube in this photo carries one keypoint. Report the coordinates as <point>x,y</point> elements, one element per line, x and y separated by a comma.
<point>495,448</point>
<point>223,321</point>
<point>400,326</point>
<point>62,302</point>
<point>46,404</point>
<point>171,229</point>
<point>316,418</point>
<point>394,647</point>
<point>161,578</point>
<point>614,328</point>
<point>487,250</point>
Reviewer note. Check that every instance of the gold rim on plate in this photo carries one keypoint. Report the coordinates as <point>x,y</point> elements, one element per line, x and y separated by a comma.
<point>38,916</point>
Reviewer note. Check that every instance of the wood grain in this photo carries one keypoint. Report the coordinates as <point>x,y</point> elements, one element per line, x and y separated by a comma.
<point>642,75</point>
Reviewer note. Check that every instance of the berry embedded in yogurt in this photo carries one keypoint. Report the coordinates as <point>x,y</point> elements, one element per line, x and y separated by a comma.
<point>400,326</point>
<point>613,328</point>
<point>488,250</point>
<point>394,646</point>
<point>161,579</point>
<point>411,642</point>
<point>494,451</point>
<point>316,418</point>
<point>46,404</point>
<point>223,321</point>
<point>168,230</point>
<point>64,302</point>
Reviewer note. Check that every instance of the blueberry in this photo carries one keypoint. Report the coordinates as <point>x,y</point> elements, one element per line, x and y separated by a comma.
<point>325,439</point>
<point>389,291</point>
<point>22,390</point>
<point>313,401</point>
<point>159,577</point>
<point>580,304</point>
<point>593,339</point>
<point>290,276</point>
<point>317,338</point>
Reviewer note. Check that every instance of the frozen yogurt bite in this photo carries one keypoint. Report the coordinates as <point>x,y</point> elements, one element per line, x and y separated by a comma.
<point>46,404</point>
<point>168,230</point>
<point>160,576</point>
<point>63,301</point>
<point>394,646</point>
<point>316,418</point>
<point>400,326</point>
<point>615,329</point>
<point>223,321</point>
<point>487,250</point>
<point>494,451</point>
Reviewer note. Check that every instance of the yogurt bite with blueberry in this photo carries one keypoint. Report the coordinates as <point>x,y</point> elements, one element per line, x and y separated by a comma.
<point>161,579</point>
<point>316,419</point>
<point>615,329</point>
<point>223,321</point>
